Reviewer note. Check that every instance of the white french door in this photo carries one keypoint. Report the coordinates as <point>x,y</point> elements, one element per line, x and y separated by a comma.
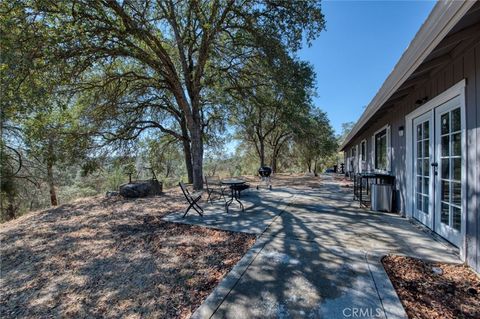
<point>439,170</point>
<point>422,168</point>
<point>450,178</point>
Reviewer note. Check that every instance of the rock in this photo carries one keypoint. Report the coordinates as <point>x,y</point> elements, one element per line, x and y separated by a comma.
<point>112,193</point>
<point>437,271</point>
<point>141,189</point>
<point>472,291</point>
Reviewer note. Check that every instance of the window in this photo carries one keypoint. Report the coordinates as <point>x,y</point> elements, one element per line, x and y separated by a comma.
<point>381,150</point>
<point>363,150</point>
<point>352,159</point>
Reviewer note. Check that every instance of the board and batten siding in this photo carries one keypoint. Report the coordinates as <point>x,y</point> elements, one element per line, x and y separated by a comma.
<point>464,66</point>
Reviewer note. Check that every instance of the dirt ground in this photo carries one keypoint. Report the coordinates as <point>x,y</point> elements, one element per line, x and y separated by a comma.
<point>99,257</point>
<point>433,290</point>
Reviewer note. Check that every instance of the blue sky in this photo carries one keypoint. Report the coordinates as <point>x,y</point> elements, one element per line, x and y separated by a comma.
<point>362,43</point>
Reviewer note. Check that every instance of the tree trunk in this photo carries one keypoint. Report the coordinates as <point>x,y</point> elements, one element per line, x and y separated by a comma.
<point>315,168</point>
<point>214,170</point>
<point>51,184</point>
<point>197,156</point>
<point>11,207</point>
<point>277,146</point>
<point>187,152</point>
<point>192,122</point>
<point>50,181</point>
<point>274,163</point>
<point>276,151</point>
<point>262,151</point>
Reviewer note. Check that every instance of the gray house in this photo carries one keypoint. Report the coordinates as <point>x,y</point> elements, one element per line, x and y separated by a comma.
<point>423,127</point>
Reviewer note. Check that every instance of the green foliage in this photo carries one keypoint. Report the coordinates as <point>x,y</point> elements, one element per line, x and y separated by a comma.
<point>92,90</point>
<point>316,142</point>
<point>116,177</point>
<point>346,128</point>
<point>165,157</point>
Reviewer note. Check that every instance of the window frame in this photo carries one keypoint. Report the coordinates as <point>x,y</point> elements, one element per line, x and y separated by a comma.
<point>363,150</point>
<point>388,167</point>
<point>362,156</point>
<point>353,157</point>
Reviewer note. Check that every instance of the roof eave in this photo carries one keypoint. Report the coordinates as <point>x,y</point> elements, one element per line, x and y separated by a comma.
<point>444,16</point>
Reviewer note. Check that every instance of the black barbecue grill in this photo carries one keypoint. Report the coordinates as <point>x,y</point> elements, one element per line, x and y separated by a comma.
<point>264,172</point>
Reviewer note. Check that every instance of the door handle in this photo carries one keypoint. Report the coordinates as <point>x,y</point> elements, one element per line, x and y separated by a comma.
<point>434,165</point>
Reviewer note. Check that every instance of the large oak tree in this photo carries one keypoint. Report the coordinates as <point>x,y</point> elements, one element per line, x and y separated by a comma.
<point>184,46</point>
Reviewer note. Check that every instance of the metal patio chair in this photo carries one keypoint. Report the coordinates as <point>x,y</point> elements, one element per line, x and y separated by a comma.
<point>214,186</point>
<point>192,199</point>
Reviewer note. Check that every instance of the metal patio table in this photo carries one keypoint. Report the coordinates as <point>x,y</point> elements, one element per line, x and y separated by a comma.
<point>232,183</point>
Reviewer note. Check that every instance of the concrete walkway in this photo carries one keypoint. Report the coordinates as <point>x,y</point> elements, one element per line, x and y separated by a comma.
<point>319,257</point>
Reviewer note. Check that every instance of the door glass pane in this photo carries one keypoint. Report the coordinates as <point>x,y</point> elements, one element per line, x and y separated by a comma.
<point>456,146</point>
<point>457,169</point>
<point>426,129</point>
<point>444,122</point>
<point>426,182</point>
<point>419,202</point>
<point>426,151</point>
<point>419,184</point>
<point>445,191</point>
<point>425,204</point>
<point>419,150</point>
<point>457,194</point>
<point>456,120</point>
<point>419,132</point>
<point>457,218</point>
<point>445,145</point>
<point>445,168</point>
<point>426,164</point>
<point>444,215</point>
<point>419,166</point>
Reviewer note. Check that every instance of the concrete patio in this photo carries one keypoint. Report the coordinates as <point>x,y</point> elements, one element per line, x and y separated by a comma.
<point>261,207</point>
<point>317,256</point>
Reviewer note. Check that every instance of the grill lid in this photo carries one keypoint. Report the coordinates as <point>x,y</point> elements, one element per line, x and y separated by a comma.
<point>265,171</point>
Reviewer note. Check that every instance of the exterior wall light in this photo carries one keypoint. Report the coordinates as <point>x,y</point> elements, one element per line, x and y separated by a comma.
<point>401,130</point>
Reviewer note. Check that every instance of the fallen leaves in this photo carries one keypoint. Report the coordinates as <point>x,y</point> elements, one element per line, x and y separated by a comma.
<point>434,290</point>
<point>112,257</point>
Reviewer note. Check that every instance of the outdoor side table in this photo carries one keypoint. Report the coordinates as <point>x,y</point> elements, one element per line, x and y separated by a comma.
<point>232,183</point>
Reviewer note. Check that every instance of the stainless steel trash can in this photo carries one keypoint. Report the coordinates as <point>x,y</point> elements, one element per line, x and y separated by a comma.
<point>382,197</point>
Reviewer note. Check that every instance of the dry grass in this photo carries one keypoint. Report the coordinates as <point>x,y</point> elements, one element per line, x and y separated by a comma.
<point>112,258</point>
<point>452,292</point>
